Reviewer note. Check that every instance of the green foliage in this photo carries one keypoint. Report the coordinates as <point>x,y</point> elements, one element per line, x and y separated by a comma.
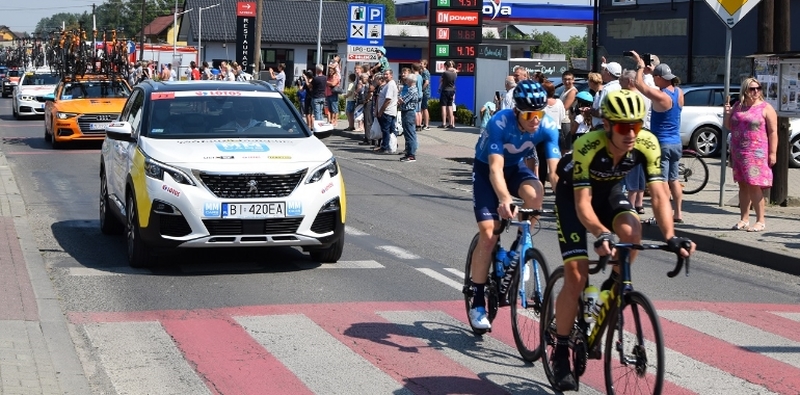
<point>462,114</point>
<point>435,110</point>
<point>576,47</point>
<point>549,43</point>
<point>291,93</point>
<point>123,15</point>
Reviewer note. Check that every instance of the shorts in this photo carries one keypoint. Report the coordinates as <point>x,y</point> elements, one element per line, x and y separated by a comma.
<point>670,158</point>
<point>332,103</point>
<point>424,103</point>
<point>308,107</point>
<point>350,107</point>
<point>484,200</point>
<point>635,181</point>
<point>447,97</point>
<point>607,206</point>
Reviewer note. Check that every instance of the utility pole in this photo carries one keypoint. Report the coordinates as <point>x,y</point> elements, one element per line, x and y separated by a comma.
<point>766,17</point>
<point>141,34</point>
<point>259,24</point>
<point>779,192</point>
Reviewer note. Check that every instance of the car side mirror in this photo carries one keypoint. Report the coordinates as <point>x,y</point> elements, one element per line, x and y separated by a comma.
<point>122,131</point>
<point>49,97</point>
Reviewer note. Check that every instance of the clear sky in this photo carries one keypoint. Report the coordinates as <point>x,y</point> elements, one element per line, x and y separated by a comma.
<point>22,17</point>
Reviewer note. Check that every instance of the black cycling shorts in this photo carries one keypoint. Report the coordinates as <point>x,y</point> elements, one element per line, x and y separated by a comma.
<point>571,232</point>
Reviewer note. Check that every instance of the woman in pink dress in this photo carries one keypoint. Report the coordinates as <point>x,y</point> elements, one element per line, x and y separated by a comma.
<point>754,141</point>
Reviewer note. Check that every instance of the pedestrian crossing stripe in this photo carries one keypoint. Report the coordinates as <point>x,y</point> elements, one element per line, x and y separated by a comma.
<point>415,347</point>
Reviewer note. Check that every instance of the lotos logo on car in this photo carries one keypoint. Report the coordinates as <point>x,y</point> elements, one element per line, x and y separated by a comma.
<point>327,188</point>
<point>218,93</point>
<point>495,8</point>
<point>171,190</point>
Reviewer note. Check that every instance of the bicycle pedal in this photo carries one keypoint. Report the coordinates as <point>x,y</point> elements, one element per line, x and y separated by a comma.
<point>596,354</point>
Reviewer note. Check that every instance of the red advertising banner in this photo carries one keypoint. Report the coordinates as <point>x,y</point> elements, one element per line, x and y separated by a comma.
<point>246,8</point>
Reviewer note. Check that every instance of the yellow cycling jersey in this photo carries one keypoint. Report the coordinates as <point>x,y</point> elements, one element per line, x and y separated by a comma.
<point>593,166</point>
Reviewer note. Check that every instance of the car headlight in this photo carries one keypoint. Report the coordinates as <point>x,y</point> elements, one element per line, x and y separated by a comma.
<point>156,169</point>
<point>65,115</point>
<point>25,98</point>
<point>331,167</point>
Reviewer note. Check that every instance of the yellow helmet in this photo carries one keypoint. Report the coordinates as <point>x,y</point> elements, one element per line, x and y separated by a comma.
<point>623,106</point>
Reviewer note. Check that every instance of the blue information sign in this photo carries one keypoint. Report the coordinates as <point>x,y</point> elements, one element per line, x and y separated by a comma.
<point>365,24</point>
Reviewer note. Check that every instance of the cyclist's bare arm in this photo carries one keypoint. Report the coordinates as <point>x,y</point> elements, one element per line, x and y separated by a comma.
<point>498,180</point>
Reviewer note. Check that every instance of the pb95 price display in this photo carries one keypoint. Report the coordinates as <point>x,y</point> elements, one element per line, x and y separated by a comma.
<point>455,50</point>
<point>459,34</point>
<point>458,4</point>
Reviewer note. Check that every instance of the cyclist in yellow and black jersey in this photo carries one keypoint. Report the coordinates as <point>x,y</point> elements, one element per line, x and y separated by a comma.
<point>589,197</point>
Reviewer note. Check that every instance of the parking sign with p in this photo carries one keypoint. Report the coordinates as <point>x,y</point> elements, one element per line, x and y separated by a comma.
<point>366,24</point>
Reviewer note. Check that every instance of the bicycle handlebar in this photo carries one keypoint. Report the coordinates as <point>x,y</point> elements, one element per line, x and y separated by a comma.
<point>603,261</point>
<point>525,215</point>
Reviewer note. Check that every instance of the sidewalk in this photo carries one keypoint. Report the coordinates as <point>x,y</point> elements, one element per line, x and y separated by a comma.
<point>706,223</point>
<point>37,355</point>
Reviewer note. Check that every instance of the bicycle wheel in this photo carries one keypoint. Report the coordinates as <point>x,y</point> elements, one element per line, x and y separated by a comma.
<point>692,172</point>
<point>525,321</point>
<point>492,302</point>
<point>547,322</point>
<point>641,367</point>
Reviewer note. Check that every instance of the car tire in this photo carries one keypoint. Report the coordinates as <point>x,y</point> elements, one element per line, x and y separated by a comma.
<point>14,112</point>
<point>47,137</point>
<point>794,152</point>
<point>331,254</point>
<point>109,224</point>
<point>705,141</point>
<point>139,255</point>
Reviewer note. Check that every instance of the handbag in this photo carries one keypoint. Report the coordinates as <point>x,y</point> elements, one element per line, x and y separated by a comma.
<point>375,132</point>
<point>337,90</point>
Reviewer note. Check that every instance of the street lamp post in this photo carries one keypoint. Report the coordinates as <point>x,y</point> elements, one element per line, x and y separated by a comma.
<point>200,30</point>
<point>175,31</point>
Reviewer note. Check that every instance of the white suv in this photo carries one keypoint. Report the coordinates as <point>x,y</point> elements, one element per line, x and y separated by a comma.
<point>701,117</point>
<point>218,164</point>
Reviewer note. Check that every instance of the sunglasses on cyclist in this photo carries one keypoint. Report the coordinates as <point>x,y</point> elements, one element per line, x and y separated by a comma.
<point>528,115</point>
<point>624,128</point>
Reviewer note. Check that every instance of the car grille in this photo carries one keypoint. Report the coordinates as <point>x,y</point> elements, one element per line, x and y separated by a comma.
<point>325,222</point>
<point>40,99</point>
<point>174,225</point>
<point>85,120</point>
<point>242,186</point>
<point>272,226</point>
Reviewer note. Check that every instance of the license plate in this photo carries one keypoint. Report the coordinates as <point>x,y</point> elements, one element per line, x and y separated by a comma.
<point>98,126</point>
<point>254,210</point>
<point>42,107</point>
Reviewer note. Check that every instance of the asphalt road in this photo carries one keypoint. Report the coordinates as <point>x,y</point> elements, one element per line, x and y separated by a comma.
<point>408,226</point>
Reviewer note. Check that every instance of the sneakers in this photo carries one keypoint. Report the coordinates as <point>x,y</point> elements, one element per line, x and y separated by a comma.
<point>478,318</point>
<point>562,375</point>
<point>426,128</point>
<point>408,158</point>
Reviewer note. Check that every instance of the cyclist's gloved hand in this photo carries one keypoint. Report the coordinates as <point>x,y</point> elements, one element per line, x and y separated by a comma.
<point>604,244</point>
<point>680,245</point>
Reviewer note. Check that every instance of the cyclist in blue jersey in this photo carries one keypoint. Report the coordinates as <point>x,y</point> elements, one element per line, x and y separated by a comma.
<point>499,171</point>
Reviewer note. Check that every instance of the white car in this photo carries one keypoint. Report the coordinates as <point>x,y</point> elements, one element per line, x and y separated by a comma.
<point>794,143</point>
<point>29,94</point>
<point>701,116</point>
<point>198,164</point>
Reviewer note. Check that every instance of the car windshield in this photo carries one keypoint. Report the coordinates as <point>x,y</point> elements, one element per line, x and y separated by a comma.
<point>40,79</point>
<point>13,73</point>
<point>222,114</point>
<point>94,90</point>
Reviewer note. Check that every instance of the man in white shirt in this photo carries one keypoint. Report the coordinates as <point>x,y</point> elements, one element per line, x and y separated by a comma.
<point>172,74</point>
<point>611,73</point>
<point>387,110</point>
<point>280,77</point>
<point>508,98</point>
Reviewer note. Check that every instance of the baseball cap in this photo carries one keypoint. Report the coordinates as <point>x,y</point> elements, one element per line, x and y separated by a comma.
<point>383,50</point>
<point>663,71</point>
<point>613,68</point>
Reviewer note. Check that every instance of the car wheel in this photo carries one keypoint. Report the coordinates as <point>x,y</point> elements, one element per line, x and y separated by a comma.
<point>705,141</point>
<point>794,152</point>
<point>47,137</point>
<point>330,254</point>
<point>138,253</point>
<point>109,224</point>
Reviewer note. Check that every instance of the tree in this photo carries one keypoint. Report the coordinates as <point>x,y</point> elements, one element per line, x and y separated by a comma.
<point>123,15</point>
<point>549,43</point>
<point>576,47</point>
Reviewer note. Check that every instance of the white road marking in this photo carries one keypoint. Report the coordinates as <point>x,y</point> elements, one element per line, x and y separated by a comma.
<point>441,278</point>
<point>456,272</point>
<point>141,358</point>
<point>738,333</point>
<point>309,351</point>
<point>353,231</point>
<point>789,316</point>
<point>341,265</point>
<point>398,252</point>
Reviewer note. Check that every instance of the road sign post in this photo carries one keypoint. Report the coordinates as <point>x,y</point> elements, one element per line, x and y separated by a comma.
<point>366,30</point>
<point>730,12</point>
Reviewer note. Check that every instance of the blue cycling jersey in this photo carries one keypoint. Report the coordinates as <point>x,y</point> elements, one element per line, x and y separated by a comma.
<point>503,137</point>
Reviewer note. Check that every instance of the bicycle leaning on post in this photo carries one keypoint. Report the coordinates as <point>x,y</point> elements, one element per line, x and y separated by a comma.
<point>507,285</point>
<point>634,332</point>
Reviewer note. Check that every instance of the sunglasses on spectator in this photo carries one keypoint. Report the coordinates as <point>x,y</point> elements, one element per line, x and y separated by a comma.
<point>528,115</point>
<point>624,128</point>
<point>754,88</point>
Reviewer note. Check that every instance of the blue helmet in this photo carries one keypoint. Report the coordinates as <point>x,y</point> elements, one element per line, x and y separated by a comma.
<point>585,96</point>
<point>530,95</point>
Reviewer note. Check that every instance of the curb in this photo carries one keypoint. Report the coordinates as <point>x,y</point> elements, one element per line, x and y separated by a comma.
<point>741,252</point>
<point>53,324</point>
